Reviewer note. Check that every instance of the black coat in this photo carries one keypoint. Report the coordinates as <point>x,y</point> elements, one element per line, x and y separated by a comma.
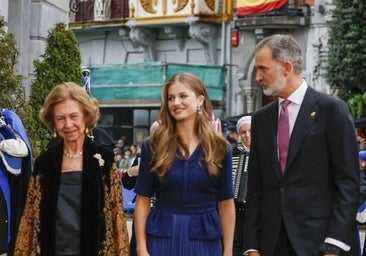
<point>48,165</point>
<point>103,229</point>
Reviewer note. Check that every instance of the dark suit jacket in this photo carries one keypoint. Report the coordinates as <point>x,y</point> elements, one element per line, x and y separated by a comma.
<point>318,195</point>
<point>129,182</point>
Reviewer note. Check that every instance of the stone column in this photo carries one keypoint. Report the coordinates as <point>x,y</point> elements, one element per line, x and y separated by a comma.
<point>250,97</point>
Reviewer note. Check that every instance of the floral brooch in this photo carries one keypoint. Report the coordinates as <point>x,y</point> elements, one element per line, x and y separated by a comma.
<point>100,159</point>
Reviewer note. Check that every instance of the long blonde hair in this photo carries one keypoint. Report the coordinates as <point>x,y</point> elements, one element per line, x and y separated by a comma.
<point>164,139</point>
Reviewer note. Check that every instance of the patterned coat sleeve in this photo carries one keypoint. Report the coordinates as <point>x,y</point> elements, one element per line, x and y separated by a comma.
<point>116,242</point>
<point>27,243</point>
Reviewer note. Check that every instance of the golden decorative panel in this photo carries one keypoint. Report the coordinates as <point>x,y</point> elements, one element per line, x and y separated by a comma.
<point>166,7</point>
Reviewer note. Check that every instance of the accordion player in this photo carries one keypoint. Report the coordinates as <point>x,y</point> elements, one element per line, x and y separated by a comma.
<point>240,159</point>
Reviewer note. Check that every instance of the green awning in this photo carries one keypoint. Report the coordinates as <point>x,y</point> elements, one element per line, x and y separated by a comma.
<point>143,81</point>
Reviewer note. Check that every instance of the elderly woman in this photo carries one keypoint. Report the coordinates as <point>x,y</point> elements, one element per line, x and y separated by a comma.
<point>74,204</point>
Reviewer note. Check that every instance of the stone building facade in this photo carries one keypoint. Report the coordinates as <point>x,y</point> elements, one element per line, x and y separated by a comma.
<point>132,47</point>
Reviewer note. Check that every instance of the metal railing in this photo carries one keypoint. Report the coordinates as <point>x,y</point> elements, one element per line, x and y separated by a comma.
<point>92,10</point>
<point>292,8</point>
<point>96,10</point>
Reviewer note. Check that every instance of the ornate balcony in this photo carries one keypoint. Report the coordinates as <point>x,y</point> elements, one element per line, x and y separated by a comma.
<point>98,10</point>
<point>140,12</point>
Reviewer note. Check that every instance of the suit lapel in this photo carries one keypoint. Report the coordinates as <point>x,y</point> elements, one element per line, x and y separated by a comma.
<point>307,113</point>
<point>273,119</point>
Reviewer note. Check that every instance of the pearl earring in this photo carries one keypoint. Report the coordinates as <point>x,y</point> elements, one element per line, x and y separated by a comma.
<point>199,110</point>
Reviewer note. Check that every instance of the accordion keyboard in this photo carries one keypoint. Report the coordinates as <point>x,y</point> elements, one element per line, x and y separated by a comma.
<point>240,175</point>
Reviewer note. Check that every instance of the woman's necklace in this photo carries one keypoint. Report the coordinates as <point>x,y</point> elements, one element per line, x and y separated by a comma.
<point>73,156</point>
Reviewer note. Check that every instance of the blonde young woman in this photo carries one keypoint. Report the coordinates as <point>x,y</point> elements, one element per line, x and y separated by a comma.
<point>74,204</point>
<point>187,165</point>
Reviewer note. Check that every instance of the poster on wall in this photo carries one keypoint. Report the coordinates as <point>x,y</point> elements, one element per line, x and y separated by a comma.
<point>250,7</point>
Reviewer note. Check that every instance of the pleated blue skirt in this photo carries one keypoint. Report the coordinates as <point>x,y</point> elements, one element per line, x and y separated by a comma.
<point>179,244</point>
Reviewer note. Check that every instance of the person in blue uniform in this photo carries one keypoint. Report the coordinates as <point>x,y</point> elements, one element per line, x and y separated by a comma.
<point>187,165</point>
<point>86,80</point>
<point>15,170</point>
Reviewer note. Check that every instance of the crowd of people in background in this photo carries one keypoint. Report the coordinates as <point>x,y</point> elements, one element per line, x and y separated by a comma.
<point>125,155</point>
<point>361,212</point>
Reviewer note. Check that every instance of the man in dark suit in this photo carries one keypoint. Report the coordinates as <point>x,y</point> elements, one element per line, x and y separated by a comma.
<point>308,207</point>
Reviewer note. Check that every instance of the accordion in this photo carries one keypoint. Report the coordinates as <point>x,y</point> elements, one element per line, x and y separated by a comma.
<point>240,159</point>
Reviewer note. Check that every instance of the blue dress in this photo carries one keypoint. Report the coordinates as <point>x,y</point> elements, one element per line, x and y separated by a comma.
<point>184,220</point>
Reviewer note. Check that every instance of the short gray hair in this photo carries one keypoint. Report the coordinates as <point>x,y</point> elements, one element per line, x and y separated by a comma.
<point>284,48</point>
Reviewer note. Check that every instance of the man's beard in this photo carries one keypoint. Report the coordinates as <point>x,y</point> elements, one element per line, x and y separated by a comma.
<point>273,90</point>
